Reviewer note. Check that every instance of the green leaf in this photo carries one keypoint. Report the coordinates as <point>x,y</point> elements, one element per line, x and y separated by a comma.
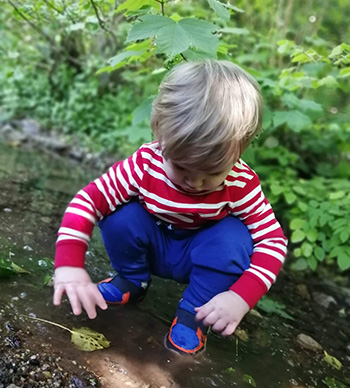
<point>271,306</point>
<point>334,362</point>
<point>18,269</point>
<point>344,236</point>
<point>236,9</point>
<point>306,249</point>
<point>312,262</point>
<point>134,5</point>
<point>333,383</point>
<point>319,253</point>
<point>200,34</point>
<point>294,119</point>
<point>219,9</point>
<point>343,260</point>
<point>148,26</point>
<point>143,112</point>
<point>290,197</point>
<point>299,265</point>
<point>174,38</point>
<point>311,235</point>
<point>249,380</point>
<point>297,223</point>
<point>297,236</point>
<point>337,195</point>
<point>88,340</point>
<point>235,31</point>
<point>276,189</point>
<point>120,57</point>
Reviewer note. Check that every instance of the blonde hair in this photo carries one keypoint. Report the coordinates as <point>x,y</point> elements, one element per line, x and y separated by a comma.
<point>206,113</point>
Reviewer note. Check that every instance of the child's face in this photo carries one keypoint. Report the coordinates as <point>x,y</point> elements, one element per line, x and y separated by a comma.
<point>195,181</point>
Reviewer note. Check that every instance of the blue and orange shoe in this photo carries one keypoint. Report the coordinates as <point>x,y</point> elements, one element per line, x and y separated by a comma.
<point>118,290</point>
<point>186,335</point>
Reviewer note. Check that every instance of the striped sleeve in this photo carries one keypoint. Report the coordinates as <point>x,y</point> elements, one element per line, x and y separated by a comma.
<point>269,242</point>
<point>91,204</point>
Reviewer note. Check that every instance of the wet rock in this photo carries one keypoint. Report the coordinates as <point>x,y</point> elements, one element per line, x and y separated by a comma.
<point>323,300</point>
<point>49,143</point>
<point>348,348</point>
<point>29,126</point>
<point>11,135</point>
<point>308,343</point>
<point>12,386</point>
<point>302,291</point>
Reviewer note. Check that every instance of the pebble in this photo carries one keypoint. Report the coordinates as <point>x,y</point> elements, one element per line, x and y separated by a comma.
<point>323,300</point>
<point>308,343</point>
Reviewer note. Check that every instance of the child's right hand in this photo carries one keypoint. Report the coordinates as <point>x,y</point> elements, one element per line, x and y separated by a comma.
<point>81,292</point>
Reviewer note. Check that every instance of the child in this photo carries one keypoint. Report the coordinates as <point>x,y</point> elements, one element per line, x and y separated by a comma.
<point>184,207</point>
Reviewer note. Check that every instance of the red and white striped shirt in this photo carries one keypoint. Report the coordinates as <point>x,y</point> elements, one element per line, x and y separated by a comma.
<point>142,176</point>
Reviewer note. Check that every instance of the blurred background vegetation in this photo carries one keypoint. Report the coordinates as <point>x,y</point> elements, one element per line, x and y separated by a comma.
<point>89,69</point>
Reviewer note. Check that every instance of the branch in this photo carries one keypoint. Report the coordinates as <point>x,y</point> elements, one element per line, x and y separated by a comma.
<point>102,22</point>
<point>53,7</point>
<point>41,32</point>
<point>34,26</point>
<point>161,3</point>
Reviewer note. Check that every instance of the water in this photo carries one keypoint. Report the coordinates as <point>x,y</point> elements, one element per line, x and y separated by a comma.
<point>35,190</point>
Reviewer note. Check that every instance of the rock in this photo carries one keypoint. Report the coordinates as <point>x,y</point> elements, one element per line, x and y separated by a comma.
<point>12,386</point>
<point>323,300</point>
<point>302,291</point>
<point>49,143</point>
<point>12,135</point>
<point>308,343</point>
<point>29,126</point>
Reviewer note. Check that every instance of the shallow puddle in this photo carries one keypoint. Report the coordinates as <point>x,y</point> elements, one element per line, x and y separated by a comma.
<point>35,190</point>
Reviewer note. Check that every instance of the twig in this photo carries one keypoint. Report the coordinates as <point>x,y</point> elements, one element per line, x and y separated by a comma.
<point>34,26</point>
<point>102,22</point>
<point>41,32</point>
<point>161,3</point>
<point>53,7</point>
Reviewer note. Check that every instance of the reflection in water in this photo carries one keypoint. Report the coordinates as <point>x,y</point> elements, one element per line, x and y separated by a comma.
<point>36,189</point>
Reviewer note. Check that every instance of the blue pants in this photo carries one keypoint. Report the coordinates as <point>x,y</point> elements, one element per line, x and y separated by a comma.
<point>209,259</point>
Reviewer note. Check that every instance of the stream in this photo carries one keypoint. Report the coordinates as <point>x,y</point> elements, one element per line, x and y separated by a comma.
<point>268,350</point>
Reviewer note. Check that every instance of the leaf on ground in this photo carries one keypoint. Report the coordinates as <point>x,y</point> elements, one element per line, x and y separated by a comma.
<point>249,380</point>
<point>89,340</point>
<point>333,383</point>
<point>271,306</point>
<point>334,362</point>
<point>8,268</point>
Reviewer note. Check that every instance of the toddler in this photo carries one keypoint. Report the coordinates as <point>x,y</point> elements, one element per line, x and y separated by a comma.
<point>184,207</point>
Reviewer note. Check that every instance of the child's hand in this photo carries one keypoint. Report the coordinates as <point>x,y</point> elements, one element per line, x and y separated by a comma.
<point>81,292</point>
<point>223,313</point>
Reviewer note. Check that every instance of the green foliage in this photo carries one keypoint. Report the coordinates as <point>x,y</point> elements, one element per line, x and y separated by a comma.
<point>91,68</point>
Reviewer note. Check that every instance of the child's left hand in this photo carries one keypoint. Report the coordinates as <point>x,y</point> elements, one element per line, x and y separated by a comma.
<point>223,313</point>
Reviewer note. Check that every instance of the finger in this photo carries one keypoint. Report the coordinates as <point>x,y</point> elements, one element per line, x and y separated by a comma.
<point>101,303</point>
<point>230,328</point>
<point>87,299</point>
<point>219,326</point>
<point>57,296</point>
<point>74,300</point>
<point>204,311</point>
<point>211,319</point>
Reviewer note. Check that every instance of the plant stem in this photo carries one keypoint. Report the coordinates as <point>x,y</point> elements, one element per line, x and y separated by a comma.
<point>51,323</point>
